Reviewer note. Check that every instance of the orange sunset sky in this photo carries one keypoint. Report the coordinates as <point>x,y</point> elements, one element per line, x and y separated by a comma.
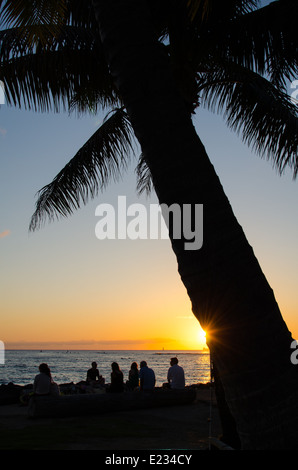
<point>62,288</point>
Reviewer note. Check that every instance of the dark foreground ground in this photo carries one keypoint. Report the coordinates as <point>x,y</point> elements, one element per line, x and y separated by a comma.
<point>186,427</point>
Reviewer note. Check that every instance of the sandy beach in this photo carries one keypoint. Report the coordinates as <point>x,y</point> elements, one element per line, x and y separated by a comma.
<point>173,427</point>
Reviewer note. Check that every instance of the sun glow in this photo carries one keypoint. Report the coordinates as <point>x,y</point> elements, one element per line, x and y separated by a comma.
<point>202,336</point>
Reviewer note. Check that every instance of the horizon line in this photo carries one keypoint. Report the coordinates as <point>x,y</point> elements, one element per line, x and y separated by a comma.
<point>205,348</point>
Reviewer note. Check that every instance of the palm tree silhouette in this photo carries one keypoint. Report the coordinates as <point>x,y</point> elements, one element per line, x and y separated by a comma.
<point>154,63</point>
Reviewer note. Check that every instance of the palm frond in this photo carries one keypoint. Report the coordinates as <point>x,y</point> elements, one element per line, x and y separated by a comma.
<point>272,33</point>
<point>92,99</point>
<point>102,157</point>
<point>81,14</point>
<point>254,107</point>
<point>70,37</point>
<point>21,15</point>
<point>45,77</point>
<point>201,11</point>
<point>199,8</point>
<point>264,40</point>
<point>144,178</point>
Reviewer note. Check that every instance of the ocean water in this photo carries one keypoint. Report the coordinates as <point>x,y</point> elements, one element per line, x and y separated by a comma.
<point>20,367</point>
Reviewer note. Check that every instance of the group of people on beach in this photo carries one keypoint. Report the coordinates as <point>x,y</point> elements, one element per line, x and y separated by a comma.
<point>143,379</point>
<point>138,379</point>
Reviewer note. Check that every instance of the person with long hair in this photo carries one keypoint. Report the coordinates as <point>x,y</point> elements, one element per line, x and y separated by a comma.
<point>117,384</point>
<point>43,382</point>
<point>133,377</point>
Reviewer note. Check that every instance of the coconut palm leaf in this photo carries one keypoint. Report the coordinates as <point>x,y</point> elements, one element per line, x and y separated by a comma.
<point>19,14</point>
<point>207,10</point>
<point>22,13</point>
<point>144,178</point>
<point>252,106</point>
<point>228,44</point>
<point>264,40</point>
<point>102,157</point>
<point>54,75</point>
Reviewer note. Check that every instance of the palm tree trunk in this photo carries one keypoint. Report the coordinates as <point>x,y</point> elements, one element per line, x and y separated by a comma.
<point>247,336</point>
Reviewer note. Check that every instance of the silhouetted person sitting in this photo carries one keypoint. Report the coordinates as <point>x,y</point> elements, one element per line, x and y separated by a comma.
<point>176,378</point>
<point>117,384</point>
<point>94,378</point>
<point>147,377</point>
<point>43,383</point>
<point>133,377</point>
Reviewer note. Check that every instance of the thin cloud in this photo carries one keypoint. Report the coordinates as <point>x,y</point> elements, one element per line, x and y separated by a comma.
<point>3,131</point>
<point>5,233</point>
